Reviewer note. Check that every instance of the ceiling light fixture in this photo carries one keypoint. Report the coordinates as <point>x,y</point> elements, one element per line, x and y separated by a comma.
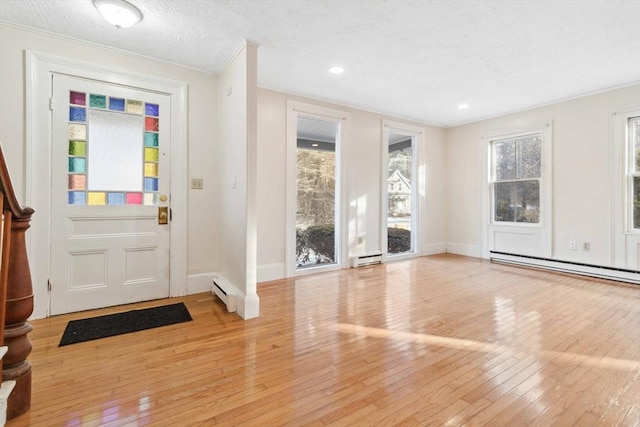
<point>463,106</point>
<point>118,12</point>
<point>336,69</point>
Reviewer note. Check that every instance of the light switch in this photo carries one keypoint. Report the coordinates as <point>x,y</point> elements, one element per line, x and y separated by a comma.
<point>197,183</point>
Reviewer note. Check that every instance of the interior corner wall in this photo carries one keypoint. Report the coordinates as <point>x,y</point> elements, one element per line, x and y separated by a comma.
<point>581,183</point>
<point>363,182</point>
<point>201,124</point>
<point>235,175</point>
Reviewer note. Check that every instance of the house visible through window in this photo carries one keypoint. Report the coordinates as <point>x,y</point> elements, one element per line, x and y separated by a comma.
<point>633,172</point>
<point>516,174</point>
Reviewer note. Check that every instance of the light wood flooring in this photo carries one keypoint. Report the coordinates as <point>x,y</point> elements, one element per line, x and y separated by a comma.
<point>440,340</point>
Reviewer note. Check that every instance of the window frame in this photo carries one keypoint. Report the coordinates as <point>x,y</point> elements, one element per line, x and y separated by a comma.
<point>630,172</point>
<point>297,109</point>
<point>417,187</point>
<point>493,179</point>
<point>541,232</point>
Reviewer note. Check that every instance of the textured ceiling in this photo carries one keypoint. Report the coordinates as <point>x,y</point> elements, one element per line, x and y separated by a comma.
<point>411,59</point>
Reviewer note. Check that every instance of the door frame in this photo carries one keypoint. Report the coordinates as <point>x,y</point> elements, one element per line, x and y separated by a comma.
<point>39,70</point>
<point>343,119</point>
<point>417,188</point>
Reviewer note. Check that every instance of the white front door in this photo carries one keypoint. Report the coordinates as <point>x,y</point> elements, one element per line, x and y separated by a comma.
<point>110,192</point>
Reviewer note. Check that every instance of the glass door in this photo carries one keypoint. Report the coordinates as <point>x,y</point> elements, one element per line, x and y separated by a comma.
<point>317,242</point>
<point>401,195</point>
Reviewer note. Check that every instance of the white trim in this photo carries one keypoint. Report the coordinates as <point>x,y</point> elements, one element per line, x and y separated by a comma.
<point>624,243</point>
<point>464,249</point>
<point>433,248</point>
<point>248,306</point>
<point>537,106</point>
<point>50,34</point>
<point>269,272</point>
<point>343,118</point>
<point>199,283</point>
<point>418,189</point>
<point>39,69</point>
<point>545,226</point>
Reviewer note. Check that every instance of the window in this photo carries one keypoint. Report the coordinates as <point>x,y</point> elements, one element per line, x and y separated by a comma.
<point>401,189</point>
<point>316,236</point>
<point>515,179</point>
<point>633,172</point>
<point>316,222</point>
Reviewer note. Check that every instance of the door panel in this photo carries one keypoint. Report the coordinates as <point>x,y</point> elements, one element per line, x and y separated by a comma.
<point>110,164</point>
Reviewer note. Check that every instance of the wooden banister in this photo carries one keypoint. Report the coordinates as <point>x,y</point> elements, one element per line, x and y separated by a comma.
<point>16,295</point>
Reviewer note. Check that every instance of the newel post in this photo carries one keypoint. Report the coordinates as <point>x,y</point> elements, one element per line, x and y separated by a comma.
<point>19,301</point>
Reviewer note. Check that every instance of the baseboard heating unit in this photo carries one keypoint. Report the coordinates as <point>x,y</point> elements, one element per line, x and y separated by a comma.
<point>362,260</point>
<point>228,298</point>
<point>611,273</point>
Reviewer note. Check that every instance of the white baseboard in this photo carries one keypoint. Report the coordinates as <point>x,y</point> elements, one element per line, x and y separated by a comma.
<point>269,272</point>
<point>464,249</point>
<point>248,306</point>
<point>434,248</point>
<point>199,283</point>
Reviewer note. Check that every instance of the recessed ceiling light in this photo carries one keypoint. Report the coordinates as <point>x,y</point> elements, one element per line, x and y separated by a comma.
<point>118,12</point>
<point>314,145</point>
<point>463,106</point>
<point>336,69</point>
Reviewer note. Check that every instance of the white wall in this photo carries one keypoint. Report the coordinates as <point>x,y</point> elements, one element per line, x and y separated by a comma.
<point>582,191</point>
<point>235,175</point>
<point>201,123</point>
<point>364,168</point>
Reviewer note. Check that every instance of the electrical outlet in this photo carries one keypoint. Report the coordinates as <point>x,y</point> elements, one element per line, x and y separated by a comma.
<point>573,245</point>
<point>586,246</point>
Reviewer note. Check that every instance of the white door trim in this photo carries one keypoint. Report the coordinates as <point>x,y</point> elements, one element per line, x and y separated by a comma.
<point>39,68</point>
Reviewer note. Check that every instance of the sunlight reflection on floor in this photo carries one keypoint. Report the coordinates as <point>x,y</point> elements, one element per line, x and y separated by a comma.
<point>470,345</point>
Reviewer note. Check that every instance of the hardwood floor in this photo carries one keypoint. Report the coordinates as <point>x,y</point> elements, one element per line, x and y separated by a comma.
<point>440,340</point>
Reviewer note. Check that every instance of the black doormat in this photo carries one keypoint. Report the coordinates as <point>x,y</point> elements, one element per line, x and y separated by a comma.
<point>123,323</point>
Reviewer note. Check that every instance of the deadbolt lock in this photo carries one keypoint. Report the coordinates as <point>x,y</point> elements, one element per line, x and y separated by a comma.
<point>163,215</point>
<point>163,197</point>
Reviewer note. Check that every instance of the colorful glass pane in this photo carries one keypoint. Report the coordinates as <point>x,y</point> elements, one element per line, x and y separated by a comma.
<point>150,199</point>
<point>150,154</point>
<point>150,139</point>
<point>151,109</point>
<point>77,114</point>
<point>77,148</point>
<point>77,98</point>
<point>151,124</point>
<point>77,198</point>
<point>77,182</point>
<point>116,104</point>
<point>77,165</point>
<point>96,198</point>
<point>151,184</point>
<point>134,198</point>
<point>97,101</point>
<point>150,169</point>
<point>134,107</point>
<point>77,132</point>
<point>116,199</point>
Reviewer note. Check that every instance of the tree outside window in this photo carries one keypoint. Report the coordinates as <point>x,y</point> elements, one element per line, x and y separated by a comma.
<point>516,172</point>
